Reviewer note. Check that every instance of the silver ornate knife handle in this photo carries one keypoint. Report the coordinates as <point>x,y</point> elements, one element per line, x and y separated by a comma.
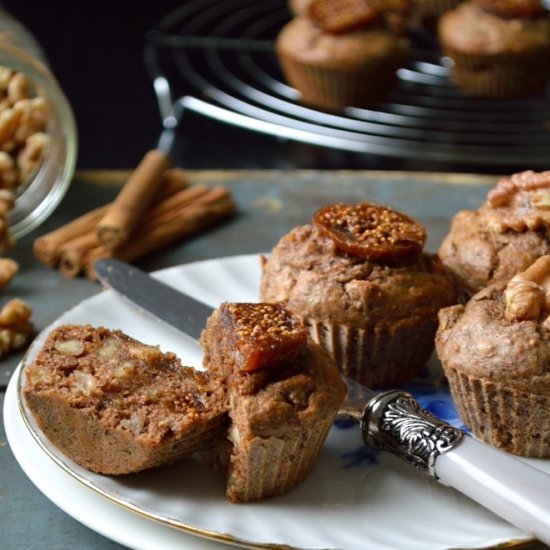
<point>392,421</point>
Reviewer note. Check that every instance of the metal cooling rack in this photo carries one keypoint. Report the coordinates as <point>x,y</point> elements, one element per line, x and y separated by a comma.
<point>216,58</point>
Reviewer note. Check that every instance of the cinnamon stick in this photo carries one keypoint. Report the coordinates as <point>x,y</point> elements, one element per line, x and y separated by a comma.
<point>46,248</point>
<point>125,212</point>
<point>73,252</point>
<point>209,210</point>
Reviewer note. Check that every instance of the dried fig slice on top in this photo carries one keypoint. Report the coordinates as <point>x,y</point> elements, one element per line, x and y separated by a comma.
<point>371,231</point>
<point>264,335</point>
<point>340,16</point>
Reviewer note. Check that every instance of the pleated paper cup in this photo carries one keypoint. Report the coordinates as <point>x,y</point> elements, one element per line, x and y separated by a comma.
<point>513,420</point>
<point>377,356</point>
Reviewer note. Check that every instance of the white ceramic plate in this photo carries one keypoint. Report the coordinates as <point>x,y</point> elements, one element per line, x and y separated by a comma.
<point>355,499</point>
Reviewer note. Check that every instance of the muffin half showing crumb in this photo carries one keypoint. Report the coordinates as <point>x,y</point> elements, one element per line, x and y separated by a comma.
<point>284,393</point>
<point>495,352</point>
<point>115,405</point>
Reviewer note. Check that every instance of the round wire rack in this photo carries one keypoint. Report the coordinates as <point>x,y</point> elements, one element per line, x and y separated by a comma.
<point>216,58</point>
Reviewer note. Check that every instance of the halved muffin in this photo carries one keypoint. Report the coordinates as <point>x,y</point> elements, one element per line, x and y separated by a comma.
<point>115,405</point>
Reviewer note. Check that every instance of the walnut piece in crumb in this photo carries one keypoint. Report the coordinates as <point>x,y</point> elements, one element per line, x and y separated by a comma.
<point>15,325</point>
<point>23,137</point>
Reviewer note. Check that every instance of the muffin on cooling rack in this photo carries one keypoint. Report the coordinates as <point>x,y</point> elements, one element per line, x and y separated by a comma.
<point>495,352</point>
<point>284,393</point>
<point>499,48</point>
<point>341,53</point>
<point>502,237</point>
<point>368,293</point>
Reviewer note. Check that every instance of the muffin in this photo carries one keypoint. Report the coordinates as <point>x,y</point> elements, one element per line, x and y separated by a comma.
<point>114,405</point>
<point>495,352</point>
<point>499,48</point>
<point>341,53</point>
<point>284,393</point>
<point>502,237</point>
<point>365,288</point>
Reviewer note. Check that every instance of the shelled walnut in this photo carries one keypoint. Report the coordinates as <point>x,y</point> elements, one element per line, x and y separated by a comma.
<point>15,325</point>
<point>527,295</point>
<point>23,136</point>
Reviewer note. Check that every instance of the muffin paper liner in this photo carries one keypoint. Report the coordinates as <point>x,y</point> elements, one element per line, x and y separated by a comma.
<point>515,421</point>
<point>270,466</point>
<point>376,356</point>
<point>334,89</point>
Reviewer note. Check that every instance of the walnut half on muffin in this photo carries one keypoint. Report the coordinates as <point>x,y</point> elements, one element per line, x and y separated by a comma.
<point>495,352</point>
<point>367,291</point>
<point>284,393</point>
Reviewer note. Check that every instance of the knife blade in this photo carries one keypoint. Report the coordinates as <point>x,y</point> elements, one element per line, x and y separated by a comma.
<point>391,420</point>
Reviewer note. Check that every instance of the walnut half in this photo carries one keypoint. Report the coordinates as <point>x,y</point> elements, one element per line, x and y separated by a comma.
<point>527,295</point>
<point>15,325</point>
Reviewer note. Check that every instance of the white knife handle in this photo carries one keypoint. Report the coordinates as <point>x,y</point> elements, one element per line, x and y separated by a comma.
<point>510,488</point>
<point>393,421</point>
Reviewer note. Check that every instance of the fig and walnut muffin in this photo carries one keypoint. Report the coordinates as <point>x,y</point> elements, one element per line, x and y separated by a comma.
<point>499,48</point>
<point>284,393</point>
<point>365,288</point>
<point>341,53</point>
<point>505,235</point>
<point>495,352</point>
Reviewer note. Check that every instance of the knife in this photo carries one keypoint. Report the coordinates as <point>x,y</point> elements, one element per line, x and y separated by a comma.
<point>390,421</point>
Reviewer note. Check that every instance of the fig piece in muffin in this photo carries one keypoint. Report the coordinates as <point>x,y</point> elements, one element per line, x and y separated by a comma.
<point>284,393</point>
